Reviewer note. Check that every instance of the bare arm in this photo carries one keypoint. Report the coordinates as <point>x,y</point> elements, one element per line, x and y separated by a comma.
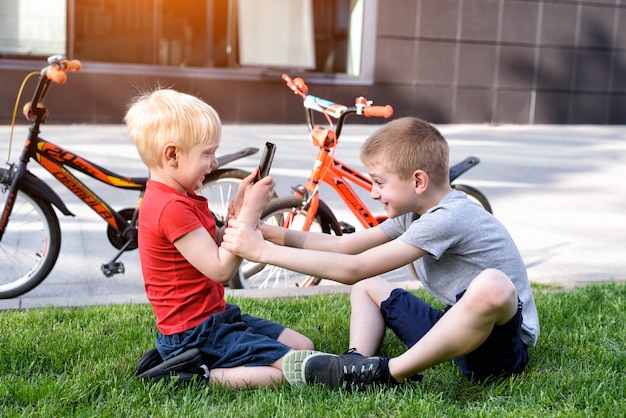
<point>345,268</point>
<point>201,249</point>
<point>348,244</point>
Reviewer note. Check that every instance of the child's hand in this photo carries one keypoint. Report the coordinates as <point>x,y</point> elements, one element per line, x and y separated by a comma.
<point>235,205</point>
<point>243,240</point>
<point>255,199</point>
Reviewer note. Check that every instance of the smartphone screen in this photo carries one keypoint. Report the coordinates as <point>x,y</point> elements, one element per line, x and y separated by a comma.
<point>266,160</point>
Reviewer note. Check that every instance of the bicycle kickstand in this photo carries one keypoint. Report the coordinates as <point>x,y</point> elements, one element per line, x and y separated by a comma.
<point>115,267</point>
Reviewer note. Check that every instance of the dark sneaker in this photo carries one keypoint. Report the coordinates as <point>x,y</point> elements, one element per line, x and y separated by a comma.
<point>181,368</point>
<point>292,365</point>
<point>352,352</point>
<point>350,372</point>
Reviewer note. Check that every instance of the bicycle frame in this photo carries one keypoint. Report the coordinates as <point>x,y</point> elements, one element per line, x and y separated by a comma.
<point>338,175</point>
<point>54,158</point>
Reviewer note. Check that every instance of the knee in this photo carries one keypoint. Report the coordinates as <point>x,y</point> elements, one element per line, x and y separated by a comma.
<point>295,340</point>
<point>374,289</point>
<point>303,343</point>
<point>360,289</point>
<point>365,284</point>
<point>494,289</point>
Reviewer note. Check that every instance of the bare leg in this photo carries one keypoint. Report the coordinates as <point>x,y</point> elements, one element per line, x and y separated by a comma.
<point>295,340</point>
<point>490,299</point>
<point>253,377</point>
<point>247,377</point>
<point>367,326</point>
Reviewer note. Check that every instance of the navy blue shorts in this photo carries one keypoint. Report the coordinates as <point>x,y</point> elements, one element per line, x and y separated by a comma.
<point>502,354</point>
<point>228,339</point>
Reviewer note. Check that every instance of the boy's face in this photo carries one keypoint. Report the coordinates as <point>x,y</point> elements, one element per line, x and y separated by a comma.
<point>397,195</point>
<point>195,164</point>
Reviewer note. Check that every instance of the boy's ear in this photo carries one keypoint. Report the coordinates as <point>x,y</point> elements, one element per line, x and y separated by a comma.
<point>421,180</point>
<point>170,154</point>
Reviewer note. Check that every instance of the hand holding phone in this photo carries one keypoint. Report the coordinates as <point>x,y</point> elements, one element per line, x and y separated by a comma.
<point>266,160</point>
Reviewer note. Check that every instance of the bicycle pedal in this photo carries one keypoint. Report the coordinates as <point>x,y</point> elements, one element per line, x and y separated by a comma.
<point>113,268</point>
<point>346,228</point>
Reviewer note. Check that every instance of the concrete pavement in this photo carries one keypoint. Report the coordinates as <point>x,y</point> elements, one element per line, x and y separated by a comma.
<point>560,190</point>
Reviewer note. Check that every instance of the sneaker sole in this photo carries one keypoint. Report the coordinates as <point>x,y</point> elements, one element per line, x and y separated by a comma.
<point>292,366</point>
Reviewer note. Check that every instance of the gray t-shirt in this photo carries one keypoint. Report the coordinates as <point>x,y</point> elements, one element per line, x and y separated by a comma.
<point>462,239</point>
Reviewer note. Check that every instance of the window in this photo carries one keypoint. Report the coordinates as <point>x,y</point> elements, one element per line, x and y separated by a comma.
<point>321,36</point>
<point>32,27</point>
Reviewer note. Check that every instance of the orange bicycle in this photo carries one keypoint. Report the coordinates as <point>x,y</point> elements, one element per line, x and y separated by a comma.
<point>30,235</point>
<point>305,210</point>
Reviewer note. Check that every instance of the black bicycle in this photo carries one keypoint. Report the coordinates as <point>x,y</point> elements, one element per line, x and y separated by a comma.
<point>30,235</point>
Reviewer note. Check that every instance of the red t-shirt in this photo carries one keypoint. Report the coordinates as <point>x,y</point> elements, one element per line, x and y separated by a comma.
<point>180,295</point>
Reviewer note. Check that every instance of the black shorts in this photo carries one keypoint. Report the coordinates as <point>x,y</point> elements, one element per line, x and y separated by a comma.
<point>228,339</point>
<point>502,354</point>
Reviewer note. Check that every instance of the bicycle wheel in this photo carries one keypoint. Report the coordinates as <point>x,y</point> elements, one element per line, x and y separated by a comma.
<point>474,194</point>
<point>220,188</point>
<point>30,245</point>
<point>286,212</point>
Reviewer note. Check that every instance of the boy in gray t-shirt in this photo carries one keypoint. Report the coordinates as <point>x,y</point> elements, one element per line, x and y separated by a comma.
<point>464,257</point>
<point>468,238</point>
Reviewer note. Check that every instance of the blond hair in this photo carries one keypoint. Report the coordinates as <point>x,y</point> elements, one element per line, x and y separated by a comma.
<point>408,144</point>
<point>166,116</point>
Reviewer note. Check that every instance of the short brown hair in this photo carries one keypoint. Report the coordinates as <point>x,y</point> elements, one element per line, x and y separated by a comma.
<point>408,144</point>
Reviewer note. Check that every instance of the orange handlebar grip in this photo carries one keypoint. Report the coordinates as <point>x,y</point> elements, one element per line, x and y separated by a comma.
<point>26,110</point>
<point>378,111</point>
<point>74,65</point>
<point>57,72</point>
<point>297,84</point>
<point>301,85</point>
<point>56,75</point>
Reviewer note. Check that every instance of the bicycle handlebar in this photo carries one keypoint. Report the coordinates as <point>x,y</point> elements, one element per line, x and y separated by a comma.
<point>58,68</point>
<point>311,103</point>
<point>362,105</point>
<point>55,71</point>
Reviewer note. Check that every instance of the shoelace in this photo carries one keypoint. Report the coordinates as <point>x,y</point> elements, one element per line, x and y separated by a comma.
<point>359,377</point>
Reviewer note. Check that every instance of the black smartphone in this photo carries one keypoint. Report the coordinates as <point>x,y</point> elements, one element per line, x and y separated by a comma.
<point>266,160</point>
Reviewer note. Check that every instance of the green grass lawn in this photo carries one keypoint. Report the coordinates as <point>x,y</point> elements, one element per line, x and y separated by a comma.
<point>58,362</point>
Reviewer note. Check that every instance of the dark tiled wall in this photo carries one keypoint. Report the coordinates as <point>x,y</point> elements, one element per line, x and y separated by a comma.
<point>505,61</point>
<point>447,61</point>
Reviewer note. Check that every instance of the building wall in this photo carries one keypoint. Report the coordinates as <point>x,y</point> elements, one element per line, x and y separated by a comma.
<point>447,61</point>
<point>505,61</point>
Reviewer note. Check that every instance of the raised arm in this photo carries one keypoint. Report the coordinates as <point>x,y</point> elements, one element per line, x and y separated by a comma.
<point>205,253</point>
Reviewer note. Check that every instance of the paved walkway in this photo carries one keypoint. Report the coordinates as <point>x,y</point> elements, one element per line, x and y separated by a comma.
<point>560,190</point>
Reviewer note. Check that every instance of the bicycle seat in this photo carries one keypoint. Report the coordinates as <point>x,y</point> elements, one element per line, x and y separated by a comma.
<point>460,168</point>
<point>182,368</point>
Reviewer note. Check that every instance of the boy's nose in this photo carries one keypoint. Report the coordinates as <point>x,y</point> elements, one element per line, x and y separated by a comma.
<point>214,164</point>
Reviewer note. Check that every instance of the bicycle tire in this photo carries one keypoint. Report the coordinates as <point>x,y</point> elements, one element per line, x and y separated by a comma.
<point>30,245</point>
<point>474,194</point>
<point>280,210</point>
<point>220,188</point>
